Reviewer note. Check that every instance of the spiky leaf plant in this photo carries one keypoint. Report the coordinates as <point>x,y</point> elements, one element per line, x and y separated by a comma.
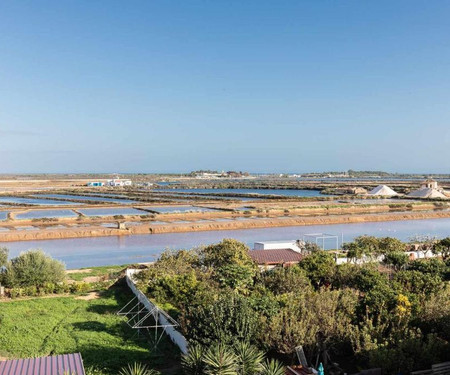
<point>137,369</point>
<point>272,367</point>
<point>192,362</point>
<point>249,358</point>
<point>220,360</point>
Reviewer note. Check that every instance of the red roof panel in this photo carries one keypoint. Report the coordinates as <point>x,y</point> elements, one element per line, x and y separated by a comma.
<point>275,256</point>
<point>54,365</point>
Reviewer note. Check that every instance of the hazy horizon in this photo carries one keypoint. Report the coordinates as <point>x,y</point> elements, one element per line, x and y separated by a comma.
<point>258,86</point>
<point>119,173</point>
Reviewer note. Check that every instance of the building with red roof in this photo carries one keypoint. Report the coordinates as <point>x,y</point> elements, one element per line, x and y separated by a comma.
<point>275,257</point>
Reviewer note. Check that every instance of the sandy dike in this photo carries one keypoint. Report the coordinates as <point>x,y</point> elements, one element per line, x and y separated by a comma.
<point>147,228</point>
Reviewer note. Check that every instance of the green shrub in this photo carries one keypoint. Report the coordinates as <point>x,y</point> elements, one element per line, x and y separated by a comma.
<point>34,268</point>
<point>30,291</point>
<point>80,287</point>
<point>48,288</point>
<point>15,292</point>
<point>60,288</point>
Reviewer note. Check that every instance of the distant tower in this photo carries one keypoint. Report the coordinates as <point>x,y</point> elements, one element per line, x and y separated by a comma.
<point>430,184</point>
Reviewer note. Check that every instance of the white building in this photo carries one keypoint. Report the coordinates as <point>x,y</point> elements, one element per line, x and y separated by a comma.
<point>276,245</point>
<point>119,182</point>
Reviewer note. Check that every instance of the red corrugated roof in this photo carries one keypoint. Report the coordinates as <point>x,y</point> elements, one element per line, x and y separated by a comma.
<point>275,256</point>
<point>71,364</point>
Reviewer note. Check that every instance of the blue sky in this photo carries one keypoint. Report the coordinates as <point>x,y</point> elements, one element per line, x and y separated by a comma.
<point>263,86</point>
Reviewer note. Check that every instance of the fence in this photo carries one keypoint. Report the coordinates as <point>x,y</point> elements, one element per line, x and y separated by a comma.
<point>176,337</point>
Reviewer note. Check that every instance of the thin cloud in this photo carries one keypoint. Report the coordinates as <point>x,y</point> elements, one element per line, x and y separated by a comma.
<point>19,133</point>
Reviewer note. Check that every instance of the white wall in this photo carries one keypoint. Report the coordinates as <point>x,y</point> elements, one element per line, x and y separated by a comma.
<point>177,338</point>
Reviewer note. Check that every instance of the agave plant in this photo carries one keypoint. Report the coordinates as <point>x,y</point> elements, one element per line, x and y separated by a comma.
<point>192,362</point>
<point>249,358</point>
<point>137,369</point>
<point>272,367</point>
<point>220,360</point>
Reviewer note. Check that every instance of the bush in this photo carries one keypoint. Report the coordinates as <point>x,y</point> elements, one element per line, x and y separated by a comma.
<point>80,287</point>
<point>30,291</point>
<point>48,288</point>
<point>229,320</point>
<point>34,268</point>
<point>15,292</point>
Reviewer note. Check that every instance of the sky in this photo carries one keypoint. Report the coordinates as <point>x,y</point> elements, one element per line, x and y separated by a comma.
<point>262,86</point>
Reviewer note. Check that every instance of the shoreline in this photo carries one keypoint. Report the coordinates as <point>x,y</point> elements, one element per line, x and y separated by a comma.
<point>250,223</point>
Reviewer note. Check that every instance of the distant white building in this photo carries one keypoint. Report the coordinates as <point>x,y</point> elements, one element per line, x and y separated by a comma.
<point>119,182</point>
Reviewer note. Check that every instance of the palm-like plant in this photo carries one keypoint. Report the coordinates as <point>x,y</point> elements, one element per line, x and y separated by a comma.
<point>220,360</point>
<point>137,369</point>
<point>192,362</point>
<point>249,358</point>
<point>272,367</point>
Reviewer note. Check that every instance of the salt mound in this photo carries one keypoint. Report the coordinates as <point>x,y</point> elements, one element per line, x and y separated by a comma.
<point>426,193</point>
<point>383,190</point>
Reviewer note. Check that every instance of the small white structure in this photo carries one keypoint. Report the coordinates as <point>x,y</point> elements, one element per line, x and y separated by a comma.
<point>430,184</point>
<point>119,182</point>
<point>277,245</point>
<point>383,191</point>
<point>429,190</point>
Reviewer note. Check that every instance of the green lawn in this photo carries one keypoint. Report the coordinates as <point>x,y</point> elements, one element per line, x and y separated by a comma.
<point>106,271</point>
<point>46,326</point>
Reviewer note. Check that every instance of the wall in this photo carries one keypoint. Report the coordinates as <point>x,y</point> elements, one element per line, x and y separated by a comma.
<point>177,338</point>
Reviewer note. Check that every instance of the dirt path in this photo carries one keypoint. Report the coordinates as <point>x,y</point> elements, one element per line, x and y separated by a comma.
<point>249,223</point>
<point>84,270</point>
<point>90,296</point>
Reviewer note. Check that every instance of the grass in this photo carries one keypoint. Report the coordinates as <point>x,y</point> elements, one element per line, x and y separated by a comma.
<point>106,271</point>
<point>50,326</point>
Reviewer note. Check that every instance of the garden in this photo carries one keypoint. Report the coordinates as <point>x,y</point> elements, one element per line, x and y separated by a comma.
<point>50,314</point>
<point>394,315</point>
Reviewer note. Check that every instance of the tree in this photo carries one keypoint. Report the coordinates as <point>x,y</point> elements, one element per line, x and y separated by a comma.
<point>397,259</point>
<point>433,265</point>
<point>308,247</point>
<point>389,245</point>
<point>321,318</point>
<point>34,268</point>
<point>178,289</point>
<point>227,320</point>
<point>443,248</point>
<point>354,251</point>
<point>362,246</point>
<point>3,256</point>
<point>320,267</point>
<point>3,262</point>
<point>418,283</point>
<point>282,280</point>
<point>231,263</point>
<point>228,251</point>
<point>234,276</point>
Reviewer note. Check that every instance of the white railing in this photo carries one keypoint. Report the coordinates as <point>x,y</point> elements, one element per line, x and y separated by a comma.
<point>164,318</point>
